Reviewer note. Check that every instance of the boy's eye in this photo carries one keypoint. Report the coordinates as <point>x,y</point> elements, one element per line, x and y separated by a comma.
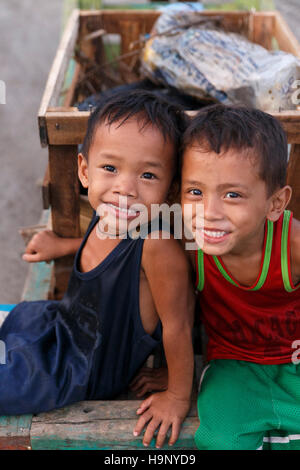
<point>109,168</point>
<point>232,195</point>
<point>195,192</point>
<point>148,176</point>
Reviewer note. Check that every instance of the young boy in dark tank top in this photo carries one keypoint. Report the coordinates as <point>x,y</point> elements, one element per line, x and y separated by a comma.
<point>128,163</point>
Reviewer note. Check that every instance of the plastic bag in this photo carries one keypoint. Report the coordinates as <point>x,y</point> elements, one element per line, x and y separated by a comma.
<point>202,60</point>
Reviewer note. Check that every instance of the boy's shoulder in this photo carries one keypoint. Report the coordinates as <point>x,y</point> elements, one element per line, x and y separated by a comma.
<point>165,252</point>
<point>295,247</point>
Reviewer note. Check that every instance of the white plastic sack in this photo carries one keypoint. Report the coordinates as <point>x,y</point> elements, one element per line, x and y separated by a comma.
<point>204,61</point>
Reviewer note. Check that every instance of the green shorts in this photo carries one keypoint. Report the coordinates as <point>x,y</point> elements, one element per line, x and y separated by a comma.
<point>246,406</point>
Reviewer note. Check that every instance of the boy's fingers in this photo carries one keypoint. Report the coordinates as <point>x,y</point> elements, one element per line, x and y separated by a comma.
<point>141,392</point>
<point>141,423</point>
<point>144,405</point>
<point>175,433</point>
<point>30,258</point>
<point>161,436</point>
<point>143,373</point>
<point>141,383</point>
<point>149,433</point>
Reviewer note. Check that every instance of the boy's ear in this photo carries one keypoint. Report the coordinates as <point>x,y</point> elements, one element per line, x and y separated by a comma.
<point>278,203</point>
<point>83,170</point>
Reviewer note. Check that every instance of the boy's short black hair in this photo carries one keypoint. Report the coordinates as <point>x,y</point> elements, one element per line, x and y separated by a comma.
<point>218,128</point>
<point>146,107</point>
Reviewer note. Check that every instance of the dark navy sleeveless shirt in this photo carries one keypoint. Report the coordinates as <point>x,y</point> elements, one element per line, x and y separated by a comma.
<point>89,345</point>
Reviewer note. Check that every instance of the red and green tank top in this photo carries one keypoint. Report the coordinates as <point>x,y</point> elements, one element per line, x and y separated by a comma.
<point>257,323</point>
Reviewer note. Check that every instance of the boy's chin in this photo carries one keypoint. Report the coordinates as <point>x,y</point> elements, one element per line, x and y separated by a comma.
<point>212,249</point>
<point>106,230</point>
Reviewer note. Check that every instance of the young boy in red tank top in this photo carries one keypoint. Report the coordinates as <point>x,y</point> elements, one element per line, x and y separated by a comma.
<point>248,273</point>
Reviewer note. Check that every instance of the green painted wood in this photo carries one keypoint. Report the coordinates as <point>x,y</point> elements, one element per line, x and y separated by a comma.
<point>15,432</point>
<point>99,425</point>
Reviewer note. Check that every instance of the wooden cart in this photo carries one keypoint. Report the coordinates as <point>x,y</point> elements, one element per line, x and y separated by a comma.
<point>109,425</point>
<point>62,127</point>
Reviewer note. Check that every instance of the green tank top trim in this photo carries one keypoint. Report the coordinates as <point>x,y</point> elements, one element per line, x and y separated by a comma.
<point>200,259</point>
<point>265,266</point>
<point>287,282</point>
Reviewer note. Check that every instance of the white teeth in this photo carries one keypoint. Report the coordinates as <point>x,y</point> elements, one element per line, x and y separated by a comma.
<point>122,209</point>
<point>212,234</point>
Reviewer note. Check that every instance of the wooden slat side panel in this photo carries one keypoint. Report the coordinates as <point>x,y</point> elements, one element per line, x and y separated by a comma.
<point>290,121</point>
<point>293,179</point>
<point>69,128</point>
<point>285,38</point>
<point>110,20</point>
<point>57,73</point>
<point>64,190</point>
<point>65,205</point>
<point>46,189</point>
<point>263,28</point>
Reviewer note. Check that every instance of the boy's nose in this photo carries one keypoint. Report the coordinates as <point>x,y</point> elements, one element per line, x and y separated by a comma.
<point>125,186</point>
<point>213,208</point>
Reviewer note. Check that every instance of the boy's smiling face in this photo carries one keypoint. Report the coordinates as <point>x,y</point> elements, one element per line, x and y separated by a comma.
<point>234,199</point>
<point>128,168</point>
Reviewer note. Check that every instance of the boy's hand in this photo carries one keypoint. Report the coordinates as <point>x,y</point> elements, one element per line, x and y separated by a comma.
<point>149,379</point>
<point>161,410</point>
<point>44,246</point>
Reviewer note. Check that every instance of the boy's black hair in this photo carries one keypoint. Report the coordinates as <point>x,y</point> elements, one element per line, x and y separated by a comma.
<point>218,128</point>
<point>146,107</point>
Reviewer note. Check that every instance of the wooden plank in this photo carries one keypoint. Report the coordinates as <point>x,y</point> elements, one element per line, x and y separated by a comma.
<point>290,121</point>
<point>69,127</point>
<point>263,27</point>
<point>293,179</point>
<point>66,127</point>
<point>130,33</point>
<point>15,432</point>
<point>69,96</point>
<point>57,73</point>
<point>285,38</point>
<point>64,190</point>
<point>65,205</point>
<point>46,189</point>
<point>236,21</point>
<point>99,425</point>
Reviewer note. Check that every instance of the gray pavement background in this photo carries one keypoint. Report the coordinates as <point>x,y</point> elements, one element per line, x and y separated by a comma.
<point>29,35</point>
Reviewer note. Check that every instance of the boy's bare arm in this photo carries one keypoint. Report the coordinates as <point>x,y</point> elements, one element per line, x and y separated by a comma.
<point>295,250</point>
<point>168,274</point>
<point>46,246</point>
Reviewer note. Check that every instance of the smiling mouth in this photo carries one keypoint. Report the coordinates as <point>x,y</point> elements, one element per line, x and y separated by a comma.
<point>214,233</point>
<point>123,212</point>
<point>212,236</point>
